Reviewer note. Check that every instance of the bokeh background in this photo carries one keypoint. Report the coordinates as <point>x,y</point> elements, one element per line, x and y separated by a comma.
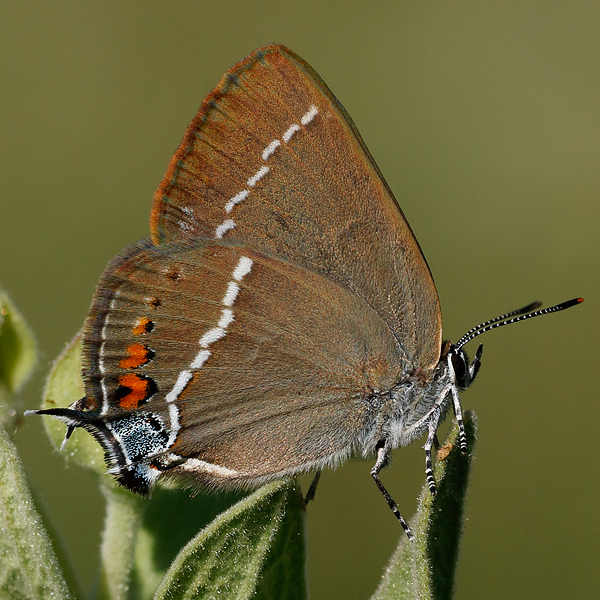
<point>484,118</point>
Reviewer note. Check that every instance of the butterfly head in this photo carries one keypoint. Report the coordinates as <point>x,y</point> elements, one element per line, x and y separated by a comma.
<point>458,360</point>
<point>458,363</point>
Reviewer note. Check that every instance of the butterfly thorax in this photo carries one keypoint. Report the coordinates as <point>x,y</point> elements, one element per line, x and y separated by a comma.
<point>419,402</point>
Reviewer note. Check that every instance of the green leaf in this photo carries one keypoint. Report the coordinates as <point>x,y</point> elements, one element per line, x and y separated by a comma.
<point>255,549</point>
<point>284,572</point>
<point>425,568</point>
<point>119,539</point>
<point>142,536</point>
<point>28,566</point>
<point>17,358</point>
<point>63,387</point>
<point>170,520</point>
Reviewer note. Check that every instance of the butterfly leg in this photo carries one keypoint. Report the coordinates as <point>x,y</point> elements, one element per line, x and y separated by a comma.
<point>382,459</point>
<point>431,438</point>
<point>310,494</point>
<point>459,418</point>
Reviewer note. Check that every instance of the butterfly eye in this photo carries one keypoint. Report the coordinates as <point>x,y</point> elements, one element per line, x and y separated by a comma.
<point>460,363</point>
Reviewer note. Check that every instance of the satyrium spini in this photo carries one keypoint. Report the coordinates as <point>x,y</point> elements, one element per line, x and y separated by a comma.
<point>281,317</point>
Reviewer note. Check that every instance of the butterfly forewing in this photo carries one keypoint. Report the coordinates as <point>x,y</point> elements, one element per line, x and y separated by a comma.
<point>273,161</point>
<point>241,344</point>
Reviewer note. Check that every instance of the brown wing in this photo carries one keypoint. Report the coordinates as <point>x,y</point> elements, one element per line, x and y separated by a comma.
<point>272,160</point>
<point>271,367</point>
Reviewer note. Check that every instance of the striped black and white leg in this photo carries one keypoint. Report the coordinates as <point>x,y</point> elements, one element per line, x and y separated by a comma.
<point>382,459</point>
<point>428,466</point>
<point>459,418</point>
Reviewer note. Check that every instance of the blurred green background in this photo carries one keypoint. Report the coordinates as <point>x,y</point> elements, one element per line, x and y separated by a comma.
<point>484,118</point>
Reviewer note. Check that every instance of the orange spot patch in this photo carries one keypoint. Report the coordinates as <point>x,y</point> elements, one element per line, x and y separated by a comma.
<point>137,355</point>
<point>142,325</point>
<point>139,390</point>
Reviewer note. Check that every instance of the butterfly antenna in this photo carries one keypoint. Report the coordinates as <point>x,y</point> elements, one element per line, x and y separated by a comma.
<point>512,313</point>
<point>527,312</point>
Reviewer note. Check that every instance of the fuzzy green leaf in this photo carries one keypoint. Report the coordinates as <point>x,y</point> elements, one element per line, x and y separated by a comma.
<point>425,568</point>
<point>17,358</point>
<point>170,520</point>
<point>28,566</point>
<point>119,539</point>
<point>255,549</point>
<point>142,536</point>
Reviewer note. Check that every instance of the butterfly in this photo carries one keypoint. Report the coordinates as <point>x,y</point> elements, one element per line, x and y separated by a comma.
<point>281,317</point>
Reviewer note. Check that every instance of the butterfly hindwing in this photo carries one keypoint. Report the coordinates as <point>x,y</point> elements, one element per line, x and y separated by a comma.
<point>223,345</point>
